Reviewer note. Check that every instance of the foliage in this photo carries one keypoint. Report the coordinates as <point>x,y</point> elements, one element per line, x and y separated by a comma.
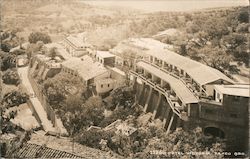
<point>5,47</point>
<point>93,137</point>
<point>33,49</point>
<point>11,77</point>
<point>82,115</point>
<point>62,85</point>
<point>14,98</point>
<point>184,142</point>
<point>243,16</point>
<point>7,61</point>
<point>215,57</point>
<point>53,53</point>
<point>9,40</point>
<point>34,37</point>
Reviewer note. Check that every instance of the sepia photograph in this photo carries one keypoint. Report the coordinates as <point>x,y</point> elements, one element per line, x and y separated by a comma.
<point>124,79</point>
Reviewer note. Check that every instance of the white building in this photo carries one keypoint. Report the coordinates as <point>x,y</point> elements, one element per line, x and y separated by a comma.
<point>76,45</point>
<point>231,90</point>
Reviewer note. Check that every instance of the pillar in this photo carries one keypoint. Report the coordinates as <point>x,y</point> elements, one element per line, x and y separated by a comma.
<point>157,105</point>
<point>167,112</point>
<point>170,123</point>
<point>153,78</point>
<point>163,83</point>
<point>149,96</point>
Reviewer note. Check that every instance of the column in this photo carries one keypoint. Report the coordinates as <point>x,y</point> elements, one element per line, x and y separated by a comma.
<point>163,83</point>
<point>157,105</point>
<point>153,78</point>
<point>141,91</point>
<point>170,123</point>
<point>149,96</point>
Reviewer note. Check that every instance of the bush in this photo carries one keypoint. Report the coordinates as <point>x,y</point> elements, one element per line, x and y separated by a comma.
<point>38,36</point>
<point>92,138</point>
<point>14,98</point>
<point>7,61</point>
<point>11,77</point>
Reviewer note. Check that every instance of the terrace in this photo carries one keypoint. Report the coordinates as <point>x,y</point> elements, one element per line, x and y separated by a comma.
<point>177,95</point>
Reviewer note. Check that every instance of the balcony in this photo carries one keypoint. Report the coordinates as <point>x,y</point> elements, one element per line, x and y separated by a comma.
<point>175,73</point>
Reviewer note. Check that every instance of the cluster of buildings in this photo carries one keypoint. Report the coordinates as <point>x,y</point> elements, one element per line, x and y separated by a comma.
<point>184,92</point>
<point>174,88</point>
<point>96,69</point>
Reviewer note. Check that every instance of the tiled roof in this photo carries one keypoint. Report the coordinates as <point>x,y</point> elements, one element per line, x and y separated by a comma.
<point>201,73</point>
<point>180,89</point>
<point>29,150</point>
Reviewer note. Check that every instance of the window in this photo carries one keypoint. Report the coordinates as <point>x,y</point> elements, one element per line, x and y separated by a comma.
<point>218,95</point>
<point>108,85</point>
<point>101,86</point>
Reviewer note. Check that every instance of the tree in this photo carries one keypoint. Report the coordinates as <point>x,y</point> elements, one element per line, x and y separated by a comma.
<point>7,61</point>
<point>93,110</point>
<point>92,137</point>
<point>53,53</point>
<point>215,57</point>
<point>14,98</point>
<point>73,103</point>
<point>38,36</point>
<point>60,86</point>
<point>184,141</point>
<point>5,47</point>
<point>11,77</point>
<point>243,16</point>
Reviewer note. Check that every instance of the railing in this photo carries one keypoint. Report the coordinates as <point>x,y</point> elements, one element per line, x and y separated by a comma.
<point>174,75</point>
<point>161,90</point>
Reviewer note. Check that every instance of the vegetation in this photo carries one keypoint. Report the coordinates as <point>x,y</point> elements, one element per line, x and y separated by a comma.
<point>38,36</point>
<point>223,33</point>
<point>11,77</point>
<point>14,98</point>
<point>62,85</point>
<point>83,115</point>
<point>7,61</point>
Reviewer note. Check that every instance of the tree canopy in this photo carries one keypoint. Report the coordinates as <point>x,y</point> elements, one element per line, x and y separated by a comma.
<point>38,36</point>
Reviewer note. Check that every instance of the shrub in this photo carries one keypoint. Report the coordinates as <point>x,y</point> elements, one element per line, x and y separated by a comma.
<point>11,77</point>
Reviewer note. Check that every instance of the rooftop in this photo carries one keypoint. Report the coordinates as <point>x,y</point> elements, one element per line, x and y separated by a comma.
<point>104,54</point>
<point>78,40</point>
<point>148,43</point>
<point>179,88</point>
<point>201,73</point>
<point>64,145</point>
<point>235,90</point>
<point>117,70</point>
<point>29,150</point>
<point>85,67</point>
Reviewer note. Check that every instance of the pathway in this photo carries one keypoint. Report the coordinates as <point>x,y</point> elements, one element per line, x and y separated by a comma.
<point>47,125</point>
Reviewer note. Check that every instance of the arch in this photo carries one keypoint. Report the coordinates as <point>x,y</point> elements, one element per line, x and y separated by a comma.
<point>214,131</point>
